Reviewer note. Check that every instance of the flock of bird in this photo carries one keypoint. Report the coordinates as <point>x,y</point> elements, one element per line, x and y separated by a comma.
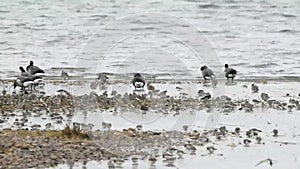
<point>207,74</point>
<point>30,78</point>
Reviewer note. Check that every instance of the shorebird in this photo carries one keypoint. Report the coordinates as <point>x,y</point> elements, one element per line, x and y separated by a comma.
<point>152,160</point>
<point>32,70</point>
<point>275,132</point>
<point>247,142</point>
<point>185,127</point>
<point>150,87</point>
<point>237,130</point>
<point>254,88</point>
<point>102,78</point>
<point>211,149</point>
<point>100,81</point>
<point>258,140</point>
<point>206,96</point>
<point>138,81</point>
<point>230,73</point>
<point>201,93</point>
<point>207,73</point>
<point>190,147</point>
<point>65,75</point>
<point>139,127</point>
<point>264,96</point>
<point>62,92</point>
<point>23,72</point>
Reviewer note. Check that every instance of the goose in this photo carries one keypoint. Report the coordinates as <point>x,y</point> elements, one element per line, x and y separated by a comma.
<point>23,72</point>
<point>33,69</point>
<point>23,82</point>
<point>138,81</point>
<point>37,80</point>
<point>230,73</point>
<point>207,73</point>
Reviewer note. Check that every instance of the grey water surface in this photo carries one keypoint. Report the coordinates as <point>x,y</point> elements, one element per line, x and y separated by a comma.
<point>257,37</point>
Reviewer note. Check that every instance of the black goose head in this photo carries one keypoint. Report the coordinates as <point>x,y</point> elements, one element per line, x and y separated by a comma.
<point>203,68</point>
<point>22,69</point>
<point>31,63</point>
<point>137,75</point>
<point>226,66</point>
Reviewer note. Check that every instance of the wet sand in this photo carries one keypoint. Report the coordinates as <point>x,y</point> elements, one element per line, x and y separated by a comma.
<point>190,126</point>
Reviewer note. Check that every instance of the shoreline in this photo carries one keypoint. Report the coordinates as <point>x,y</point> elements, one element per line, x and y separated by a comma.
<point>153,78</point>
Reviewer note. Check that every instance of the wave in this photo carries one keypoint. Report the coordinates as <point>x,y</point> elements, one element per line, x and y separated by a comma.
<point>210,5</point>
<point>263,65</point>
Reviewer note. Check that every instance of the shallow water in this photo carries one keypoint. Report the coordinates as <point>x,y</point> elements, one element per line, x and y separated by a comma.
<point>259,38</point>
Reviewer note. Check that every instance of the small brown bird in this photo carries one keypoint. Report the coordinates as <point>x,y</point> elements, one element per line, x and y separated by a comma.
<point>275,132</point>
<point>65,75</point>
<point>185,127</point>
<point>237,130</point>
<point>247,142</point>
<point>264,96</point>
<point>258,140</point>
<point>211,149</point>
<point>249,133</point>
<point>150,87</point>
<point>139,127</point>
<point>201,93</point>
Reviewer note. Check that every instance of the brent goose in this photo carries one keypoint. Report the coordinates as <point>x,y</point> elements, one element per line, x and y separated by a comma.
<point>23,82</point>
<point>36,80</point>
<point>23,72</point>
<point>138,81</point>
<point>207,73</point>
<point>33,69</point>
<point>230,73</point>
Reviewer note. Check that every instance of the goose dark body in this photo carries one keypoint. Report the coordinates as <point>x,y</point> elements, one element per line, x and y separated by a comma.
<point>32,69</point>
<point>21,82</point>
<point>230,73</point>
<point>207,73</point>
<point>137,80</point>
